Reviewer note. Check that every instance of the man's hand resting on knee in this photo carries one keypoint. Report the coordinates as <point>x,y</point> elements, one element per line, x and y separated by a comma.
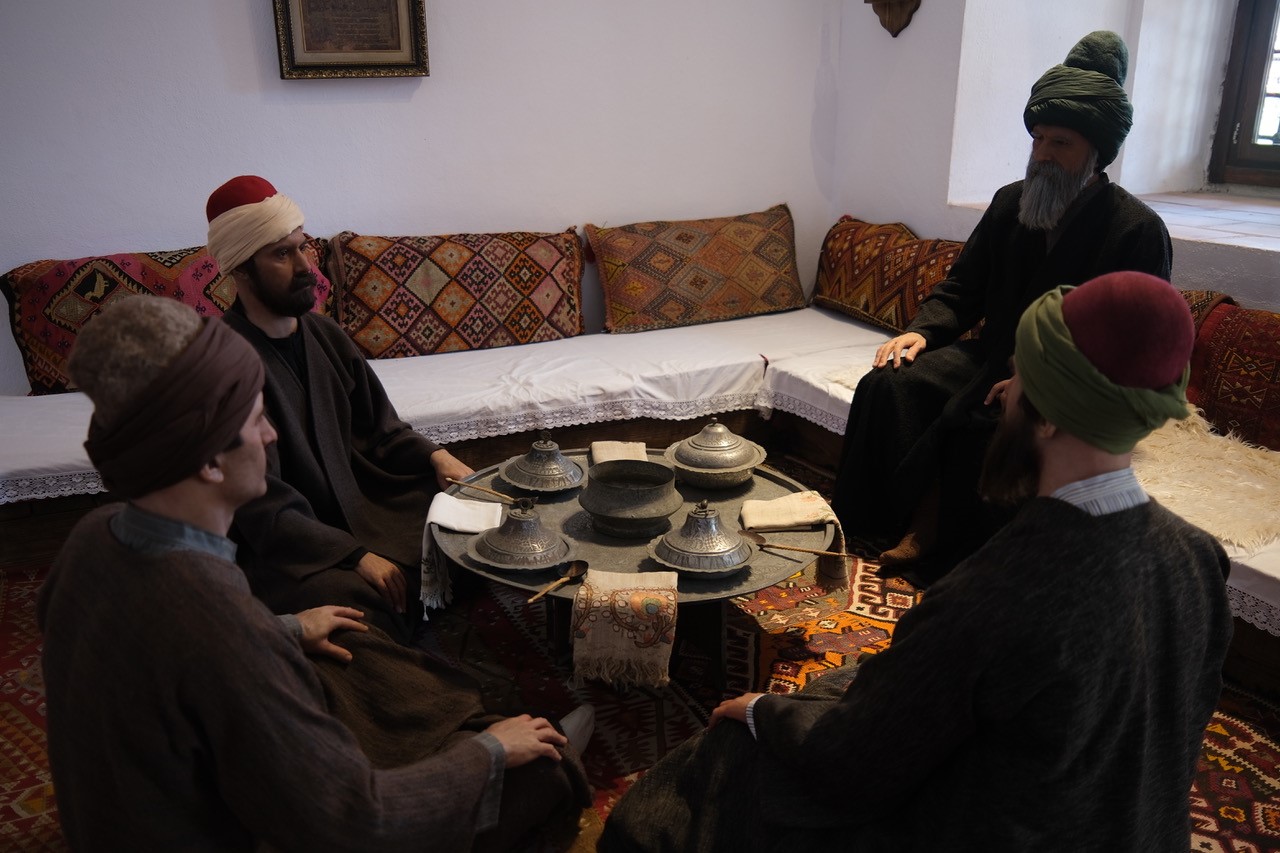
<point>525,738</point>
<point>384,576</point>
<point>319,622</point>
<point>904,347</point>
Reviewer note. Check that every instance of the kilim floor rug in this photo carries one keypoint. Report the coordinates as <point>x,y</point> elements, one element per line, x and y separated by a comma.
<point>777,640</point>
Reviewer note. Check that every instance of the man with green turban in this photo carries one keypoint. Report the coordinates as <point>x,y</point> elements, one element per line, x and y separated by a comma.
<point>1051,692</point>
<point>920,420</point>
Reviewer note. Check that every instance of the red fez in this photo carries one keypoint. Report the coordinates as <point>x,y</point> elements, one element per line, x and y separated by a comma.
<point>1135,328</point>
<point>239,191</point>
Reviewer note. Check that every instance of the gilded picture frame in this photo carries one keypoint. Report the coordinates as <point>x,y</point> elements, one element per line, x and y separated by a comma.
<point>351,38</point>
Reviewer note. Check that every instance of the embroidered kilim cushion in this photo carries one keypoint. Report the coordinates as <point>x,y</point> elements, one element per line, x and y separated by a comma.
<point>658,275</point>
<point>402,296</point>
<point>50,300</point>
<point>880,273</point>
<point>1235,373</point>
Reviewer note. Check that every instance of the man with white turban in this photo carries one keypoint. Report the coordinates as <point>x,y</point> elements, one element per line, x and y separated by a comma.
<point>350,483</point>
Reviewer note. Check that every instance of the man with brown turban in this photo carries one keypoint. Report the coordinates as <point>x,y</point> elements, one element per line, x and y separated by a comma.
<point>1051,692</point>
<point>349,482</point>
<point>182,713</point>
<point>920,420</point>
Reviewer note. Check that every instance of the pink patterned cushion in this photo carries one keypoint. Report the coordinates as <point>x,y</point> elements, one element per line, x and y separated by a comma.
<point>658,275</point>
<point>50,300</point>
<point>1235,372</point>
<point>403,296</point>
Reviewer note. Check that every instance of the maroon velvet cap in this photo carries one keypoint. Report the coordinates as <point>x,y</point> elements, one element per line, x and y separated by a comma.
<point>242,190</point>
<point>1134,327</point>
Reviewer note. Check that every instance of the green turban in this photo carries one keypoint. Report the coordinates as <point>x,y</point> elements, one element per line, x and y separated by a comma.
<point>1074,395</point>
<point>1086,94</point>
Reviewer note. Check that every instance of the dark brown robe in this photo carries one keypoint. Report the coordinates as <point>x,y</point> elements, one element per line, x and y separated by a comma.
<point>924,423</point>
<point>346,473</point>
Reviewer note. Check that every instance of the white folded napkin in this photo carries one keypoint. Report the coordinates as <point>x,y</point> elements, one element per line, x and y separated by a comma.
<point>605,451</point>
<point>799,509</point>
<point>463,516</point>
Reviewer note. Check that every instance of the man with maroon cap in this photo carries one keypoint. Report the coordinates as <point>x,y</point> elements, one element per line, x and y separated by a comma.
<point>350,483</point>
<point>1051,692</point>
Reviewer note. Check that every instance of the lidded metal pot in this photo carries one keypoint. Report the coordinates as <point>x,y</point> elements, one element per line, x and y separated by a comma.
<point>543,469</point>
<point>715,458</point>
<point>520,541</point>
<point>702,545</point>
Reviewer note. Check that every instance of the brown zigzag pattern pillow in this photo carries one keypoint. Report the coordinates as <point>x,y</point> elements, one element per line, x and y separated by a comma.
<point>404,296</point>
<point>50,300</point>
<point>659,275</point>
<point>880,273</point>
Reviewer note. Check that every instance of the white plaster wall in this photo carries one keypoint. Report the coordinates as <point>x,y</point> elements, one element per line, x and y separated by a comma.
<point>120,118</point>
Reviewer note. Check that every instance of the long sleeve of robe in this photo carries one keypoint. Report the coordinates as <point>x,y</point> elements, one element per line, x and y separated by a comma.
<point>346,473</point>
<point>1049,694</point>
<point>183,715</point>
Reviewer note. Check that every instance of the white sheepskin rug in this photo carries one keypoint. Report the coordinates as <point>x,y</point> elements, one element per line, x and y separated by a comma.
<point>1219,483</point>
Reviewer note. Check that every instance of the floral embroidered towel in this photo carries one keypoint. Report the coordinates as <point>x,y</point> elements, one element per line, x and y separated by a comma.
<point>624,627</point>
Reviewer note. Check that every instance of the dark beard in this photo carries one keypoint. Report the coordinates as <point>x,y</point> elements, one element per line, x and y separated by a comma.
<point>1011,469</point>
<point>1048,191</point>
<point>298,300</point>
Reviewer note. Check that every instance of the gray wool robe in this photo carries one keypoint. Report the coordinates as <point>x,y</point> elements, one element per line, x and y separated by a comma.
<point>184,715</point>
<point>1049,694</point>
<point>346,474</point>
<point>920,423</point>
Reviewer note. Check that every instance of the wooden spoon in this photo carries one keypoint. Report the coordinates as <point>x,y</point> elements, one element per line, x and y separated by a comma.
<point>507,499</point>
<point>761,542</point>
<point>573,569</point>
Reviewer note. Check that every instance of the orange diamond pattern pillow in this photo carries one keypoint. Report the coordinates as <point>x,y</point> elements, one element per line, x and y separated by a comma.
<point>658,275</point>
<point>405,296</point>
<point>880,273</point>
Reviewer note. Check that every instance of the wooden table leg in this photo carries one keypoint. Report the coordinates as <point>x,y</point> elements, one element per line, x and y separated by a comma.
<point>703,624</point>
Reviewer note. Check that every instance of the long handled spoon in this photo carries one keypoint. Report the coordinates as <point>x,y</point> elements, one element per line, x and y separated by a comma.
<point>507,499</point>
<point>574,569</point>
<point>761,542</point>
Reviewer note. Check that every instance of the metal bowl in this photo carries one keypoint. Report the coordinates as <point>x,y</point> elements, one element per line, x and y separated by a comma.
<point>543,469</point>
<point>630,498</point>
<point>520,542</point>
<point>715,458</point>
<point>702,546</point>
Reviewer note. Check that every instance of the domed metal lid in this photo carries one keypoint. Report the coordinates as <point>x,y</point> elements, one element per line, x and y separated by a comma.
<point>701,545</point>
<point>715,448</point>
<point>520,542</point>
<point>543,469</point>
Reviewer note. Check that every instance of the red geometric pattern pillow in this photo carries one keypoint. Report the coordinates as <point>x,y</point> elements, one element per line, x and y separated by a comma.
<point>50,300</point>
<point>403,296</point>
<point>658,275</point>
<point>880,273</point>
<point>1235,373</point>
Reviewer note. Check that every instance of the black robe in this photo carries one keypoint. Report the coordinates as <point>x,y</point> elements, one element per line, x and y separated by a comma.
<point>1049,694</point>
<point>925,423</point>
<point>346,474</point>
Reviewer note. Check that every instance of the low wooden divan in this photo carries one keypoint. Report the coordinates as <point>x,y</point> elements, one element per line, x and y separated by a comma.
<point>693,331</point>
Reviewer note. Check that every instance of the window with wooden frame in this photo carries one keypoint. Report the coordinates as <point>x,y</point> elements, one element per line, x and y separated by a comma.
<point>1246,148</point>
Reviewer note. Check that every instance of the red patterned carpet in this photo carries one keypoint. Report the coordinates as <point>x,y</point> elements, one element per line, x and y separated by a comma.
<point>777,640</point>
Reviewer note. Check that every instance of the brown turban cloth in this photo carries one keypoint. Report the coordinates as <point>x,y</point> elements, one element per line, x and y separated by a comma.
<point>192,411</point>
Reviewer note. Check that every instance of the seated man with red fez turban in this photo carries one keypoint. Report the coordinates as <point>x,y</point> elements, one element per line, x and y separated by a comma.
<point>920,420</point>
<point>349,482</point>
<point>1050,692</point>
<point>182,713</point>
